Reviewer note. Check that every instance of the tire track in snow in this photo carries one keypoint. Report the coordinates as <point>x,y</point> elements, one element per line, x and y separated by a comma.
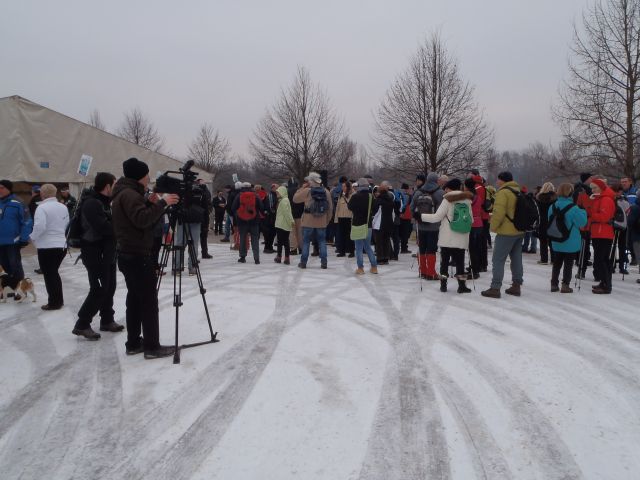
<point>239,370</point>
<point>407,439</point>
<point>553,457</point>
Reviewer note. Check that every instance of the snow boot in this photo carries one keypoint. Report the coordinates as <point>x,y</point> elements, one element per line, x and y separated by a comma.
<point>287,261</point>
<point>462,287</point>
<point>566,288</point>
<point>555,287</point>
<point>373,270</point>
<point>491,293</point>
<point>359,271</point>
<point>514,290</point>
<point>443,284</point>
<point>278,259</point>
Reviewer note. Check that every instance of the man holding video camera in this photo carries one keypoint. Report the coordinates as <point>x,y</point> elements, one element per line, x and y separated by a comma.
<point>133,221</point>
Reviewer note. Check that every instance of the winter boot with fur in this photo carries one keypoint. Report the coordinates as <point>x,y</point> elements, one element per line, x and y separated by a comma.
<point>462,287</point>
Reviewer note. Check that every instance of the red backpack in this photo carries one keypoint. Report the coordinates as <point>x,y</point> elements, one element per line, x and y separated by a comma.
<point>247,209</point>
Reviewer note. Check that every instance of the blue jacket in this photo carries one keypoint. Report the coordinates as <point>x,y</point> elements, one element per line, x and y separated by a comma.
<point>575,219</point>
<point>15,221</point>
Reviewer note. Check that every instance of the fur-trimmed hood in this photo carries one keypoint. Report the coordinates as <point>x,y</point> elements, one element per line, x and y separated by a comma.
<point>457,196</point>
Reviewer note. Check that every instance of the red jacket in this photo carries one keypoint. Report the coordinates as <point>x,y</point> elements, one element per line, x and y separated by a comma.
<point>476,209</point>
<point>584,201</point>
<point>481,193</point>
<point>601,212</point>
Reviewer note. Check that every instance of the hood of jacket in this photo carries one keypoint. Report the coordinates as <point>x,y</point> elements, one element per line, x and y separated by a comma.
<point>458,196</point>
<point>547,197</point>
<point>607,192</point>
<point>282,190</point>
<point>510,184</point>
<point>562,202</point>
<point>430,187</point>
<point>125,183</point>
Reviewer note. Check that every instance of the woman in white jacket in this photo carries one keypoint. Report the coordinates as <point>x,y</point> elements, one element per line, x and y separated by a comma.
<point>48,235</point>
<point>452,244</point>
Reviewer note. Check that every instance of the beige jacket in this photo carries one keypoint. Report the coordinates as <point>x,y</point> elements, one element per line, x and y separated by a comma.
<point>342,210</point>
<point>303,195</point>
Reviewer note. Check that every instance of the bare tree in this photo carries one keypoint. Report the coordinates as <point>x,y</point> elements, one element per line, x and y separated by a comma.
<point>598,105</point>
<point>138,129</point>
<point>300,133</point>
<point>210,150</point>
<point>429,119</point>
<point>95,120</point>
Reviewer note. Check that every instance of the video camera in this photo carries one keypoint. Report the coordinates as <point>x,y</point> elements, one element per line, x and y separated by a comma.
<point>184,186</point>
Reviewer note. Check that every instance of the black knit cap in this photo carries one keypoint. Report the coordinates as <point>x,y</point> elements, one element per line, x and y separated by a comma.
<point>453,184</point>
<point>470,183</point>
<point>404,186</point>
<point>8,184</point>
<point>585,176</point>
<point>134,169</point>
<point>422,177</point>
<point>505,176</point>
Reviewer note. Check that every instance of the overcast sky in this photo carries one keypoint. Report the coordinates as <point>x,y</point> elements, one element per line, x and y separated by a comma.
<point>225,61</point>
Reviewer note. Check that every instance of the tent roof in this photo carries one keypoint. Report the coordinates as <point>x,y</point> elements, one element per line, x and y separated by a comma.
<point>38,144</point>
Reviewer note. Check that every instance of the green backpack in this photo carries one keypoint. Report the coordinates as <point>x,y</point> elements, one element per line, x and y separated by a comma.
<point>462,218</point>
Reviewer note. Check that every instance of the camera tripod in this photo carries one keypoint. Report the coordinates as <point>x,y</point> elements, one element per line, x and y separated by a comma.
<point>177,254</point>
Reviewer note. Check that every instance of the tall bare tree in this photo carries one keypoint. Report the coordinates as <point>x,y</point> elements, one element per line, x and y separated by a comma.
<point>138,129</point>
<point>300,133</point>
<point>210,150</point>
<point>598,105</point>
<point>95,120</point>
<point>429,119</point>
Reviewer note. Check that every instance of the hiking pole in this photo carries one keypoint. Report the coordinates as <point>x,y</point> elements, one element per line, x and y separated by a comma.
<point>473,280</point>
<point>578,280</point>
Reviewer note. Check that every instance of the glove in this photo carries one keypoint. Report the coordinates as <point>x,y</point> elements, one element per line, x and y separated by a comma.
<point>23,243</point>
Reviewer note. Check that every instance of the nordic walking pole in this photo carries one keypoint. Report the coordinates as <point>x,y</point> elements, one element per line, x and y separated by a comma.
<point>578,281</point>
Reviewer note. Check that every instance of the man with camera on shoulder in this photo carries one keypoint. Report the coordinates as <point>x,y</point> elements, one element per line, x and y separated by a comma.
<point>133,221</point>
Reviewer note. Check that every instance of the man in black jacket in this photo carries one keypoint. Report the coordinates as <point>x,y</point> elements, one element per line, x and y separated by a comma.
<point>205,203</point>
<point>133,221</point>
<point>98,247</point>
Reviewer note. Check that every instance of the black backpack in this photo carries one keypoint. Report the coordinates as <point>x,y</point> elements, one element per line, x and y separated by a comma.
<point>74,228</point>
<point>319,205</point>
<point>558,231</point>
<point>527,216</point>
<point>422,203</point>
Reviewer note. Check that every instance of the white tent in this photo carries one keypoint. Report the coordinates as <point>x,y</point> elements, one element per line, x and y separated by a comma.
<point>39,145</point>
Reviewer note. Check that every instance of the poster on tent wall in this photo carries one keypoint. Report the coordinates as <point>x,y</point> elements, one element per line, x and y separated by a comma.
<point>84,165</point>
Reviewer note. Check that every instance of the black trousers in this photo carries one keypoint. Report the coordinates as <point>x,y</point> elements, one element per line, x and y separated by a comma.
<point>218,222</point>
<point>11,260</point>
<point>142,300</point>
<point>451,256</point>
<point>383,245</point>
<point>268,228</point>
<point>623,260</point>
<point>395,240</point>
<point>602,264</point>
<point>283,241</point>
<point>204,236</point>
<point>476,241</point>
<point>562,261</point>
<point>102,286</point>
<point>545,248</point>
<point>343,241</point>
<point>486,242</point>
<point>252,229</point>
<point>428,241</point>
<point>406,227</point>
<point>50,260</point>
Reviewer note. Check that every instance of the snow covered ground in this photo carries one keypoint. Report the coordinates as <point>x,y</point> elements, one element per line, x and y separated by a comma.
<point>325,375</point>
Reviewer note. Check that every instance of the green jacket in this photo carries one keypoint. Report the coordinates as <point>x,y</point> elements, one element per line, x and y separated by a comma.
<point>284,217</point>
<point>505,206</point>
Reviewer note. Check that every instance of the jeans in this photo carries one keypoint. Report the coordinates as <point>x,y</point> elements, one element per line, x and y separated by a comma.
<point>365,245</point>
<point>50,260</point>
<point>307,233</point>
<point>11,260</point>
<point>142,300</point>
<point>102,286</point>
<point>227,227</point>
<point>562,261</point>
<point>503,247</point>
<point>530,239</point>
<point>194,228</point>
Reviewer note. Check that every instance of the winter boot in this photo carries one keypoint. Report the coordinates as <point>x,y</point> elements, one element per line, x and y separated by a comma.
<point>443,284</point>
<point>491,293</point>
<point>359,271</point>
<point>278,259</point>
<point>555,287</point>
<point>286,261</point>
<point>462,287</point>
<point>566,288</point>
<point>513,290</point>
<point>373,270</point>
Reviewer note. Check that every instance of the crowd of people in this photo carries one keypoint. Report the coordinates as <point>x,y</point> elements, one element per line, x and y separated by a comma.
<point>124,225</point>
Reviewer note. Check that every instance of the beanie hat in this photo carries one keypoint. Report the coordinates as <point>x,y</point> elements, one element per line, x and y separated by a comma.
<point>7,184</point>
<point>404,186</point>
<point>505,176</point>
<point>363,184</point>
<point>422,177</point>
<point>600,183</point>
<point>35,188</point>
<point>433,177</point>
<point>134,169</point>
<point>453,184</point>
<point>585,176</point>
